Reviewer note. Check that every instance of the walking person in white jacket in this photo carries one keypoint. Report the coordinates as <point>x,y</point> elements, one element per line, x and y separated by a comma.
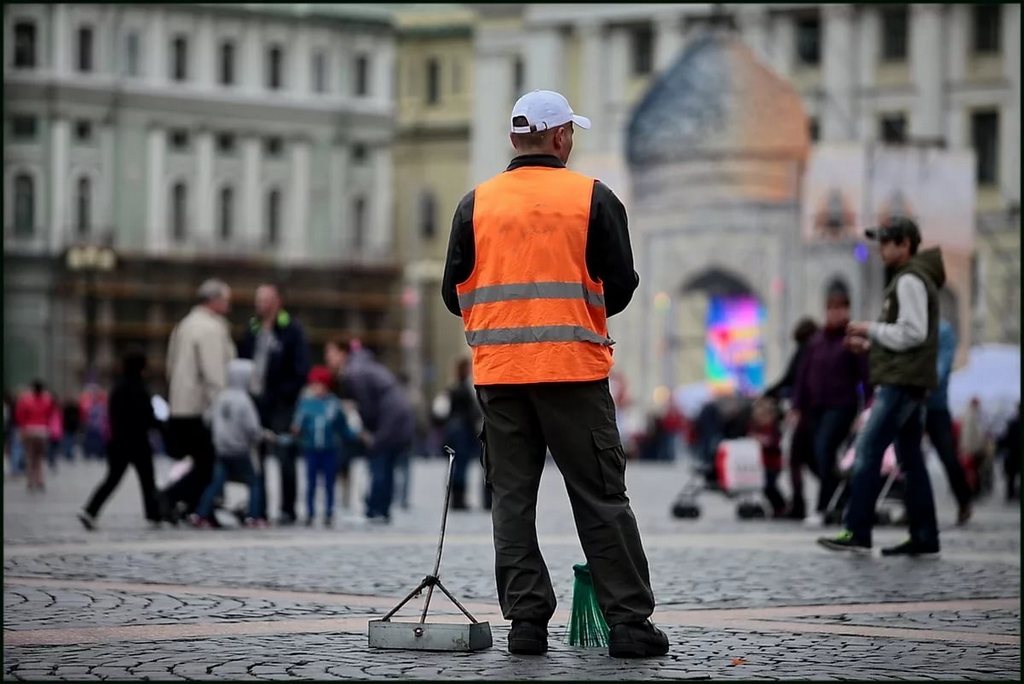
<point>198,354</point>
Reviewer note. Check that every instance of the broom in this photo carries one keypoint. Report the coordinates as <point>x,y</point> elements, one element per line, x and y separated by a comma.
<point>587,627</point>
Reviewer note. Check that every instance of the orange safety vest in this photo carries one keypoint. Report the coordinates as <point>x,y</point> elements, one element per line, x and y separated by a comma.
<point>531,311</point>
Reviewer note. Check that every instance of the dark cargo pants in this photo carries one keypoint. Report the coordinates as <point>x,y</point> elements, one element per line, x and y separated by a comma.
<point>576,421</point>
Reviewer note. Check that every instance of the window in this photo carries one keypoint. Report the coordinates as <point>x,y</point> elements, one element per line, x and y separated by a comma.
<point>225,213</point>
<point>894,34</point>
<point>179,140</point>
<point>362,75</point>
<point>456,76</point>
<point>179,198</point>
<point>642,47</point>
<point>808,40</point>
<point>24,205</point>
<point>319,72</point>
<point>179,58</point>
<point>273,146</point>
<point>273,216</point>
<point>814,129</point>
<point>23,127</point>
<point>24,45</point>
<point>428,215</point>
<point>986,22</point>
<point>518,78</point>
<point>985,138</point>
<point>359,153</point>
<point>892,129</point>
<point>227,63</point>
<point>131,55</point>
<point>274,65</point>
<point>83,206</point>
<point>359,222</point>
<point>85,49</point>
<point>83,131</point>
<point>433,81</point>
<point>226,143</point>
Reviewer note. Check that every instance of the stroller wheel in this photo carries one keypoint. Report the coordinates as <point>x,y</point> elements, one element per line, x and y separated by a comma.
<point>685,509</point>
<point>883,517</point>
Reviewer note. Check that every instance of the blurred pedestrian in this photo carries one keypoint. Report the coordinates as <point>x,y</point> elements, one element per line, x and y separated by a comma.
<point>938,423</point>
<point>1009,446</point>
<point>462,430</point>
<point>321,425</point>
<point>538,258</point>
<point>389,423</point>
<point>56,434</point>
<point>131,419</point>
<point>277,345</point>
<point>334,359</point>
<point>801,446</point>
<point>903,355</point>
<point>237,433</point>
<point>92,406</point>
<point>198,354</point>
<point>72,425</point>
<point>832,386</point>
<point>975,443</point>
<point>766,429</point>
<point>33,412</point>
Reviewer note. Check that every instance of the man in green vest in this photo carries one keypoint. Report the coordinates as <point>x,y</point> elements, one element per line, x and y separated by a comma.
<point>902,348</point>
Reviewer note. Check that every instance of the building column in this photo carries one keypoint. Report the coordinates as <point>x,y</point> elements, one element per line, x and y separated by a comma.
<point>339,196</point>
<point>383,66</point>
<point>783,44</point>
<point>489,133</point>
<point>838,115</point>
<point>544,59</point>
<point>1009,136</point>
<point>106,190</point>
<point>60,39</point>
<point>957,40</point>
<point>205,232</point>
<point>867,65</point>
<point>617,103</point>
<point>156,67</point>
<point>381,237</point>
<point>668,42</point>
<point>250,59</point>
<point>206,54</point>
<point>926,70</point>
<point>753,24</point>
<point>297,225</point>
<point>156,215</point>
<point>59,234</point>
<point>300,76</point>
<point>593,76</point>
<point>252,202</point>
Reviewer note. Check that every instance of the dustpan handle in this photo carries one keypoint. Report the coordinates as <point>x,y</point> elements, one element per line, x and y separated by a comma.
<point>444,510</point>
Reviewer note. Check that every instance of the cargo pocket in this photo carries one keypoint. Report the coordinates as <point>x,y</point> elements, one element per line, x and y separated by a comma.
<point>484,462</point>
<point>611,459</point>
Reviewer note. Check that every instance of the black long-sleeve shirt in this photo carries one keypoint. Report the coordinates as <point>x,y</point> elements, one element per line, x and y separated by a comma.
<point>609,256</point>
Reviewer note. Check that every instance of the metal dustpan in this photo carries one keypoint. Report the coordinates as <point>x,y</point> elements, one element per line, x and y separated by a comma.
<point>422,635</point>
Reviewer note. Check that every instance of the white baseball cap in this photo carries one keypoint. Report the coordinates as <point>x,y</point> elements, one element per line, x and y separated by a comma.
<point>543,110</point>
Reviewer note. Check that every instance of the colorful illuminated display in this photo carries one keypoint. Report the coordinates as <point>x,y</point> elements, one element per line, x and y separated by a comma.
<point>734,349</point>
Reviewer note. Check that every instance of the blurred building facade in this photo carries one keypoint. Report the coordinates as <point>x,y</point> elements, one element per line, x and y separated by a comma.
<point>895,75</point>
<point>250,142</point>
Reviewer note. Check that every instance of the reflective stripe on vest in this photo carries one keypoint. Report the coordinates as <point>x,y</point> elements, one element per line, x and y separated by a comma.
<point>531,311</point>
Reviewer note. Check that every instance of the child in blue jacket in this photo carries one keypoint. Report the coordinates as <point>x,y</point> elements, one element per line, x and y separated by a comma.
<point>320,425</point>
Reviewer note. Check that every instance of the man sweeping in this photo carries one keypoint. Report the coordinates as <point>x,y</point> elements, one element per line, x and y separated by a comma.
<point>538,258</point>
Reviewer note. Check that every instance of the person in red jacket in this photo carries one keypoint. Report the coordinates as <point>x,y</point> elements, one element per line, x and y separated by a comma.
<point>764,427</point>
<point>32,415</point>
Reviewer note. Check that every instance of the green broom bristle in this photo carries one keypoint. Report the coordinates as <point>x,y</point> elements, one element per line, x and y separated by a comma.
<point>587,627</point>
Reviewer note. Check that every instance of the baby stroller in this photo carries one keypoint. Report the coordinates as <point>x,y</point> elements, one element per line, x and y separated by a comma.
<point>890,495</point>
<point>686,505</point>
<point>741,475</point>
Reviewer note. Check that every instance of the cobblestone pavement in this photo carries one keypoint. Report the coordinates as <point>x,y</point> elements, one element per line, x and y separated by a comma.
<point>738,599</point>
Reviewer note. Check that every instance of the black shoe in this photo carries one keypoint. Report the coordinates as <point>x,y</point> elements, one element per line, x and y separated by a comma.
<point>328,521</point>
<point>309,522</point>
<point>527,638</point>
<point>87,520</point>
<point>637,640</point>
<point>844,541</point>
<point>911,548</point>
<point>285,520</point>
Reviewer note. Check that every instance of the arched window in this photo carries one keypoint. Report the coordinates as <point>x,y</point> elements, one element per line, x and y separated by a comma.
<point>428,215</point>
<point>179,58</point>
<point>24,205</point>
<point>83,206</point>
<point>179,205</point>
<point>275,59</point>
<point>273,216</point>
<point>359,222</point>
<point>226,212</point>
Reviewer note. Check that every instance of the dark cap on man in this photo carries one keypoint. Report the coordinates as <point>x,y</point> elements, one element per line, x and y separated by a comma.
<point>898,229</point>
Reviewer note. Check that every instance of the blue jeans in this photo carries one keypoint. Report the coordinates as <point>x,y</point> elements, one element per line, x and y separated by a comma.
<point>896,416</point>
<point>831,427</point>
<point>322,462</point>
<point>237,468</point>
<point>382,481</point>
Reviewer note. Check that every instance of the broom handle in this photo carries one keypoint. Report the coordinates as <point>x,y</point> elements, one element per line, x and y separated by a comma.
<point>444,523</point>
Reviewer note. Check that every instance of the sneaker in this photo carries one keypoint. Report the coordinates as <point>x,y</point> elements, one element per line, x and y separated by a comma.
<point>637,640</point>
<point>309,521</point>
<point>88,522</point>
<point>964,514</point>
<point>527,638</point>
<point>199,522</point>
<point>911,548</point>
<point>256,523</point>
<point>286,520</point>
<point>328,521</point>
<point>814,520</point>
<point>844,541</point>
<point>154,524</point>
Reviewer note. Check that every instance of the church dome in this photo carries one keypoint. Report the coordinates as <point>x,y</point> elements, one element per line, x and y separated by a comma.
<point>718,99</point>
